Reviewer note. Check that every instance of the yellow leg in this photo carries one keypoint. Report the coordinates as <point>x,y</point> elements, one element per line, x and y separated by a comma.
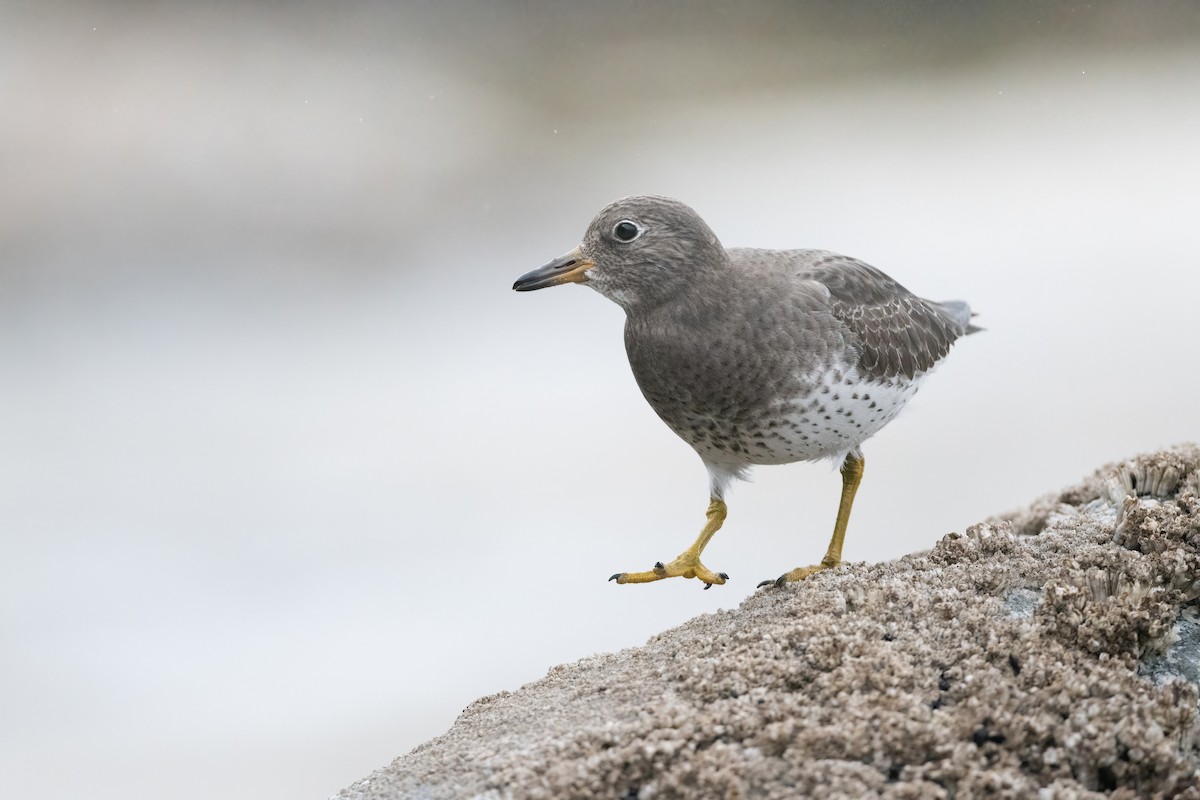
<point>852,471</point>
<point>686,564</point>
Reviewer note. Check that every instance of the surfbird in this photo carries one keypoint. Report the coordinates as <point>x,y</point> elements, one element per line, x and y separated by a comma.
<point>756,356</point>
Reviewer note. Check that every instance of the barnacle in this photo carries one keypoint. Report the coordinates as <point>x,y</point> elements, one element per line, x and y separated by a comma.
<point>1111,609</point>
<point>1141,477</point>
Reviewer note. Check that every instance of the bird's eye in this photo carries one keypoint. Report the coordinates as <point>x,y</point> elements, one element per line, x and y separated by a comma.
<point>627,231</point>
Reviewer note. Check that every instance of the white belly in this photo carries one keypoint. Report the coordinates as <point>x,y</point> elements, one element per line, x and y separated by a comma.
<point>834,420</point>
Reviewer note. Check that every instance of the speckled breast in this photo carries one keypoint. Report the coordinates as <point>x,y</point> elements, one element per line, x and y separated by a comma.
<point>834,414</point>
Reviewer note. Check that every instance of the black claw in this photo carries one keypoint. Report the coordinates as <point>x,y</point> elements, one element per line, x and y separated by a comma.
<point>707,586</point>
<point>616,575</point>
<point>723,575</point>
<point>764,583</point>
<point>659,565</point>
<point>780,581</point>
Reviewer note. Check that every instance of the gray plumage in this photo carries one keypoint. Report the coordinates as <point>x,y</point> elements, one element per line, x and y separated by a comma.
<point>757,356</point>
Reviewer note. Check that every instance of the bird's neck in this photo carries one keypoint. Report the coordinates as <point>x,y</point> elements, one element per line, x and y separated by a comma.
<point>705,301</point>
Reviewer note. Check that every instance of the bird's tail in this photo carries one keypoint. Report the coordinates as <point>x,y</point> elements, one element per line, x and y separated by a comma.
<point>961,313</point>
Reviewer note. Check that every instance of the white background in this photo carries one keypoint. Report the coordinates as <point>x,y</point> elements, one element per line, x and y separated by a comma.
<point>289,475</point>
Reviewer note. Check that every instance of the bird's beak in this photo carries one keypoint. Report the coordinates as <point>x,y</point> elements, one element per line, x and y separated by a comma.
<point>569,268</point>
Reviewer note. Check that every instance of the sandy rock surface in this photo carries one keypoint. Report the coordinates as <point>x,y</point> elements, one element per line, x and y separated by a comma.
<point>1047,653</point>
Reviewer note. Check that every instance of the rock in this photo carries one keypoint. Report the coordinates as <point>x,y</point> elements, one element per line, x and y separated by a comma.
<point>1053,652</point>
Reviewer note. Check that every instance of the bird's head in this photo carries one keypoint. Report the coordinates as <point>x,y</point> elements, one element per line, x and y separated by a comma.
<point>639,252</point>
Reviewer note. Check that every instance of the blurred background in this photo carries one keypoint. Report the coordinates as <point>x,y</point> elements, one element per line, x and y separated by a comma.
<point>289,475</point>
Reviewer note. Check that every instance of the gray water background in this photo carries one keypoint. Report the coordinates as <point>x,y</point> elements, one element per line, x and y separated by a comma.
<point>289,475</point>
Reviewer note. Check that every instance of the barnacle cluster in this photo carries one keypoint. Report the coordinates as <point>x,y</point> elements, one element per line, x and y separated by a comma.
<point>1056,665</point>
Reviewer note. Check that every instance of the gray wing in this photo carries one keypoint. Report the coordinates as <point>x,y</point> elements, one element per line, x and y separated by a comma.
<point>894,332</point>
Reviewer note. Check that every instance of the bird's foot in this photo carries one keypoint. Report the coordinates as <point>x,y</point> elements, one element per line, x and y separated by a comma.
<point>800,573</point>
<point>686,565</point>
